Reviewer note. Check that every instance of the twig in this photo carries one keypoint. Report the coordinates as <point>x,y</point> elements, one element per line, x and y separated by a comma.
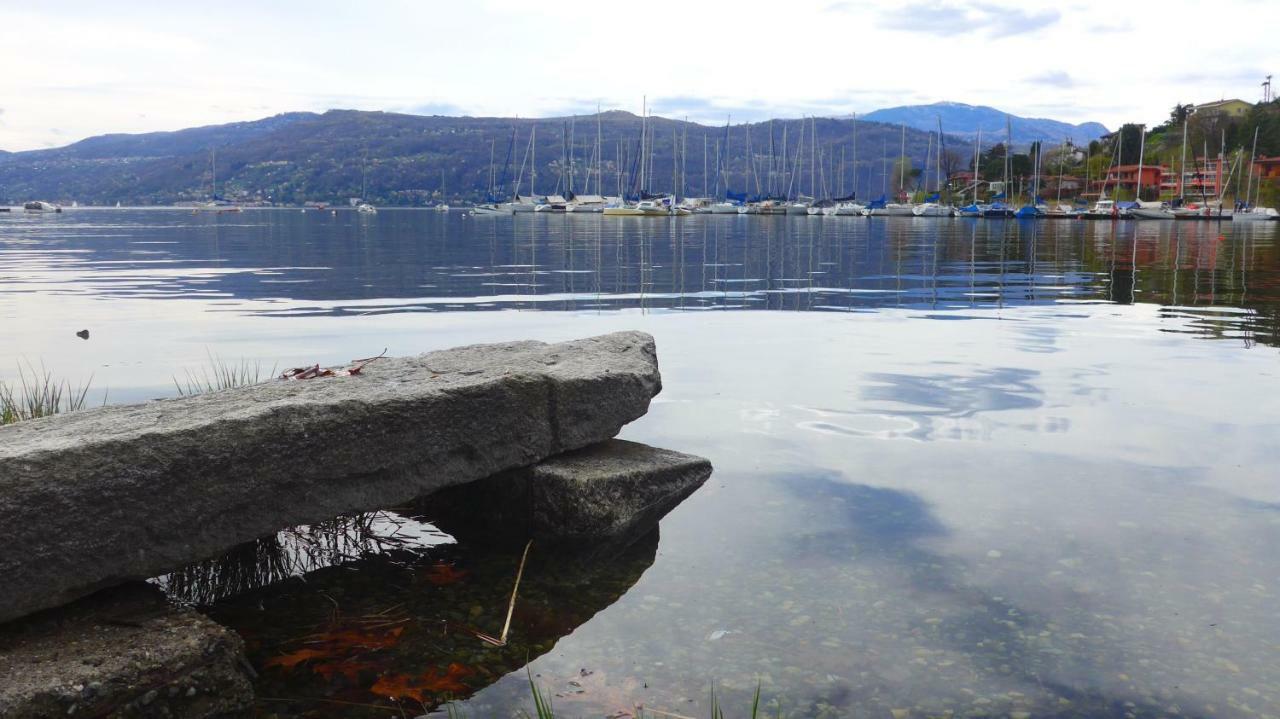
<point>511,608</point>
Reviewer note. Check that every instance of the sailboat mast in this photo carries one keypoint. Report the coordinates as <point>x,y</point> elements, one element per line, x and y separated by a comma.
<point>1252,154</point>
<point>1142,148</point>
<point>1008,141</point>
<point>1062,152</point>
<point>813,155</point>
<point>644,138</point>
<point>977,164</point>
<point>1182,163</point>
<point>704,164</point>
<point>938,171</point>
<point>927,154</point>
<point>855,154</point>
<point>533,161</point>
<point>902,154</point>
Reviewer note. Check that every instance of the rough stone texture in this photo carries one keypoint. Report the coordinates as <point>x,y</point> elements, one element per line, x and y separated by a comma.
<point>608,490</point>
<point>123,652</point>
<point>94,498</point>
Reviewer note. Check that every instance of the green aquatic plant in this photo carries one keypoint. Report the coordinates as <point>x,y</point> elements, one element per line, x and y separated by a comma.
<point>541,702</point>
<point>221,374</point>
<point>37,394</point>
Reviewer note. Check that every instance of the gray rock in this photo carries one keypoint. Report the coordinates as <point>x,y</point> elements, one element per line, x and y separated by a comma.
<point>112,654</point>
<point>94,498</point>
<point>608,490</point>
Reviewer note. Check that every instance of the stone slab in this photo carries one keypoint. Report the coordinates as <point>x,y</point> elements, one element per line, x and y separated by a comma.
<point>94,498</point>
<point>607,490</point>
<point>124,652</point>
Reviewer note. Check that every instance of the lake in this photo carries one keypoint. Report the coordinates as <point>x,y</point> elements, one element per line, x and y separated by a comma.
<point>962,467</point>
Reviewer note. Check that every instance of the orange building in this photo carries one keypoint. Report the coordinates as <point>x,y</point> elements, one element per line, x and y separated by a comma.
<point>1267,168</point>
<point>1202,178</point>
<point>1126,176</point>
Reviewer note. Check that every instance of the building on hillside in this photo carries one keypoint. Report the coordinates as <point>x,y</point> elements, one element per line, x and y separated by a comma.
<point>1066,185</point>
<point>1203,177</point>
<point>1126,177</point>
<point>1267,168</point>
<point>1229,108</point>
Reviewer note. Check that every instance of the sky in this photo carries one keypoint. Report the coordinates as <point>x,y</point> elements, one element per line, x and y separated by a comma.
<point>76,69</point>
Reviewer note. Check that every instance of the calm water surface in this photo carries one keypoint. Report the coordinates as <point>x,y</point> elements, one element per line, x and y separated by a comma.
<point>963,468</point>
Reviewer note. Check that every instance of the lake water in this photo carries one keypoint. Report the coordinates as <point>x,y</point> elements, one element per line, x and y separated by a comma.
<point>963,468</point>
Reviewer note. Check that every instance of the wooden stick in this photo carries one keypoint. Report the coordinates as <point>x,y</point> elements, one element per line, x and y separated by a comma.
<point>511,608</point>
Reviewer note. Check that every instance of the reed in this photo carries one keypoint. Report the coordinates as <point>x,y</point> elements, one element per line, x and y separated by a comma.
<point>37,394</point>
<point>221,374</point>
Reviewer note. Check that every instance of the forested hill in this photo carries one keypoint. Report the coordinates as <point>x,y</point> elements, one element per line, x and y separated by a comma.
<point>417,160</point>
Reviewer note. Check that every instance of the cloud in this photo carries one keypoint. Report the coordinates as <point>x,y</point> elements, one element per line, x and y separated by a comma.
<point>434,108</point>
<point>950,20</point>
<point>1057,78</point>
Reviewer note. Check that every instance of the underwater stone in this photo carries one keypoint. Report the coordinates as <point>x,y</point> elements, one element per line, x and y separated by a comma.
<point>94,498</point>
<point>113,653</point>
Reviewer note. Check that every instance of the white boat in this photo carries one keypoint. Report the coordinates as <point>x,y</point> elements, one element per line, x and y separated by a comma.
<point>850,209</point>
<point>643,208</point>
<point>892,209</point>
<point>520,204</point>
<point>586,204</point>
<point>798,208</point>
<point>441,207</point>
<point>697,205</point>
<point>41,206</point>
<point>1256,214</point>
<point>365,208</point>
<point>725,208</point>
<point>553,203</point>
<point>933,209</point>
<point>489,209</point>
<point>1152,211</point>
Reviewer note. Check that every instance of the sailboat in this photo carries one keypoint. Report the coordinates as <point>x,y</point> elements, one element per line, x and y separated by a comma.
<point>1143,210</point>
<point>1249,213</point>
<point>973,209</point>
<point>215,203</point>
<point>999,209</point>
<point>932,205</point>
<point>899,209</point>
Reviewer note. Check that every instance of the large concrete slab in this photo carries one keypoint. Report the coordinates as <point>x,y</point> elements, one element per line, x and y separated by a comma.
<point>611,491</point>
<point>93,498</point>
<point>124,652</point>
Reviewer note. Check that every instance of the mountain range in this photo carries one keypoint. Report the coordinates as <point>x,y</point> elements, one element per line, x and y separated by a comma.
<point>401,159</point>
<point>966,120</point>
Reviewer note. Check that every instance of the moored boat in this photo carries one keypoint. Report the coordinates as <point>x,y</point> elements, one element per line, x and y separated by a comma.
<point>933,209</point>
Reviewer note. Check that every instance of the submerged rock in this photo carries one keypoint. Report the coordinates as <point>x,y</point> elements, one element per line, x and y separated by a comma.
<point>94,498</point>
<point>613,490</point>
<point>123,652</point>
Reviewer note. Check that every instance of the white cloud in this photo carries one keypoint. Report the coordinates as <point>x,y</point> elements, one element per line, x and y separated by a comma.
<point>149,66</point>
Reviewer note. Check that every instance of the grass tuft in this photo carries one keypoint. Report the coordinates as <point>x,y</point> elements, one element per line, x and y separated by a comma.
<point>541,702</point>
<point>221,374</point>
<point>37,394</point>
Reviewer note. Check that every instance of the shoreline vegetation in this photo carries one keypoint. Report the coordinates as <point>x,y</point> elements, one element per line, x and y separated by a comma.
<point>36,394</point>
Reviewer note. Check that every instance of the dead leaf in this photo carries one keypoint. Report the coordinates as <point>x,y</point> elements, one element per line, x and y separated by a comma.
<point>441,574</point>
<point>294,658</point>
<point>402,686</point>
